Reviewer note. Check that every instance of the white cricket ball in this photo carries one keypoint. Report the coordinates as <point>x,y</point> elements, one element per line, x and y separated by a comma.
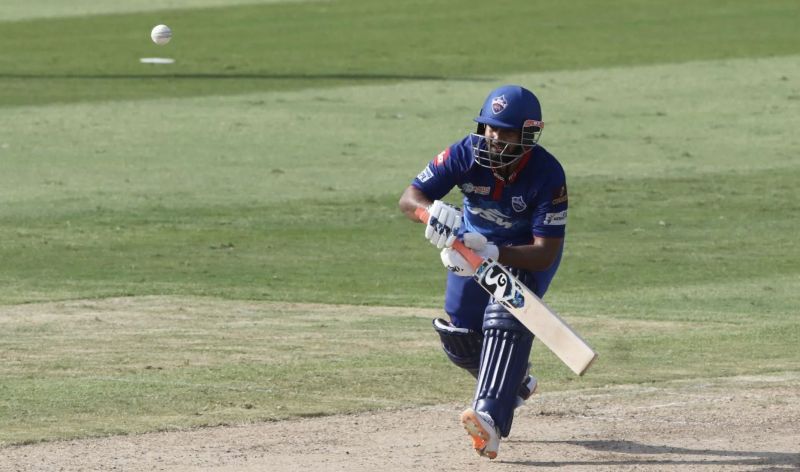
<point>161,34</point>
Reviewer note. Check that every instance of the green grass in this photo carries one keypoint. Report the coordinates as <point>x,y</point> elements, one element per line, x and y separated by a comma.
<point>266,165</point>
<point>227,197</point>
<point>661,233</point>
<point>181,362</point>
<point>31,9</point>
<point>300,45</point>
<point>153,363</point>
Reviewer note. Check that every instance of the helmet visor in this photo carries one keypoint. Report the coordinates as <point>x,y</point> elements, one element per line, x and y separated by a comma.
<point>495,153</point>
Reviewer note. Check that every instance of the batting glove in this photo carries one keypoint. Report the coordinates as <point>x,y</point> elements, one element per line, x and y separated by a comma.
<point>456,263</point>
<point>443,224</point>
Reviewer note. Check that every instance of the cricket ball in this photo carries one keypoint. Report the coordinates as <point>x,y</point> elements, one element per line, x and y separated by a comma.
<point>161,34</point>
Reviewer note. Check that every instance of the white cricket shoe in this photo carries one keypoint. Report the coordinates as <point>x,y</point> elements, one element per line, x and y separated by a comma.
<point>480,426</point>
<point>526,390</point>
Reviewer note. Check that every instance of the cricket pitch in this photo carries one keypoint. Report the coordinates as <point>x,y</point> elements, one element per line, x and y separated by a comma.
<point>735,423</point>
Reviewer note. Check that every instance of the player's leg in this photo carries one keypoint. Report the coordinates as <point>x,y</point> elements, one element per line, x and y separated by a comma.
<point>506,349</point>
<point>527,388</point>
<point>502,375</point>
<point>462,335</point>
<point>529,383</point>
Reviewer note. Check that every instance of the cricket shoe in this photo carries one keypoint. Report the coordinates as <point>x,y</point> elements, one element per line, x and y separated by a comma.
<point>526,390</point>
<point>480,426</point>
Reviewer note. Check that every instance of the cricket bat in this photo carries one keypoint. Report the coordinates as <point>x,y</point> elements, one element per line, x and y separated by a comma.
<point>527,307</point>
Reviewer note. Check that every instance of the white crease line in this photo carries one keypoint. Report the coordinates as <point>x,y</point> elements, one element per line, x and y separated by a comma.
<point>663,405</point>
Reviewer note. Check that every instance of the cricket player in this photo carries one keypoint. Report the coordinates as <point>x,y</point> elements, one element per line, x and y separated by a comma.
<point>515,212</point>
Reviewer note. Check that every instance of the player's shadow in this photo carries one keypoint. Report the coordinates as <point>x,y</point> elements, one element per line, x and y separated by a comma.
<point>720,457</point>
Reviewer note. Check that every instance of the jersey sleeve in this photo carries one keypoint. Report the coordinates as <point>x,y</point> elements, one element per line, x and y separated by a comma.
<point>550,216</point>
<point>442,173</point>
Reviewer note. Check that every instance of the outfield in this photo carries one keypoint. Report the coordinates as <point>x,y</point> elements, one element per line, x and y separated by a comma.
<point>188,245</point>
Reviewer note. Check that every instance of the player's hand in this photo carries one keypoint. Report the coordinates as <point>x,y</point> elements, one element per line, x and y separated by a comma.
<point>443,224</point>
<point>481,246</point>
<point>456,263</point>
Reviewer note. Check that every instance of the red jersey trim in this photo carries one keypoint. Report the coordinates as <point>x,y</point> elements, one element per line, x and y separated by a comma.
<point>522,163</point>
<point>500,183</point>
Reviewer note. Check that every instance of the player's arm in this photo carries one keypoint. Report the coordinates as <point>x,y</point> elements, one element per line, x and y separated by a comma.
<point>411,199</point>
<point>433,183</point>
<point>444,219</point>
<point>535,257</point>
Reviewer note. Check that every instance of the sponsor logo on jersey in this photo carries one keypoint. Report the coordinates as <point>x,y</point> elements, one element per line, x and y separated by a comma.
<point>518,204</point>
<point>499,104</point>
<point>469,187</point>
<point>556,219</point>
<point>493,215</point>
<point>560,195</point>
<point>425,175</point>
<point>442,157</point>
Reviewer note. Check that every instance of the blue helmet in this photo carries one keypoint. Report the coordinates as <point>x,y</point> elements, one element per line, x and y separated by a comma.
<point>508,107</point>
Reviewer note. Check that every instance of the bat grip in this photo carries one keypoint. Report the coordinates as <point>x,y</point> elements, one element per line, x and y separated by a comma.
<point>473,259</point>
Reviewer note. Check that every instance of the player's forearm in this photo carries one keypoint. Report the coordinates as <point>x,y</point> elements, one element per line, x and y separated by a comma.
<point>532,257</point>
<point>412,199</point>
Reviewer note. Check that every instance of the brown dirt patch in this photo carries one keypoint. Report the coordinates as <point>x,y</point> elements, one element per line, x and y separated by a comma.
<point>741,423</point>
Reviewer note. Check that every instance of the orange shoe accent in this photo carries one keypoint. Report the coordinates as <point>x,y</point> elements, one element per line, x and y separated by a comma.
<point>480,436</point>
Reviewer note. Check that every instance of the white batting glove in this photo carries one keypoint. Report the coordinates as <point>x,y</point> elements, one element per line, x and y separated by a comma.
<point>443,224</point>
<point>482,247</point>
<point>456,263</point>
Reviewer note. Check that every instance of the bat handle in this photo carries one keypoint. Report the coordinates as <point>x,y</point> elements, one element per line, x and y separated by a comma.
<point>473,259</point>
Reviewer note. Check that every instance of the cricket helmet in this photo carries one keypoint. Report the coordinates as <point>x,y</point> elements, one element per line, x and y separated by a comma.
<point>508,107</point>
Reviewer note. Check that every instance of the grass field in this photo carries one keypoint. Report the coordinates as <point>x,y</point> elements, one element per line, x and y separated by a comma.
<point>265,165</point>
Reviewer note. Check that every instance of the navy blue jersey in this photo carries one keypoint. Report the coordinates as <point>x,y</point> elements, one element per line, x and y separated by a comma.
<point>531,202</point>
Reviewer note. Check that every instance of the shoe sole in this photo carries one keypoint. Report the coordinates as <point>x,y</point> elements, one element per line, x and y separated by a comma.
<point>480,437</point>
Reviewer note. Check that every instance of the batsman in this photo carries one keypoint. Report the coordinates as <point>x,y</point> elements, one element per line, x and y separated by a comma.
<point>514,212</point>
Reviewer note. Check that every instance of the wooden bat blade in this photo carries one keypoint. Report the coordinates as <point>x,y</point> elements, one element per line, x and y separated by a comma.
<point>531,311</point>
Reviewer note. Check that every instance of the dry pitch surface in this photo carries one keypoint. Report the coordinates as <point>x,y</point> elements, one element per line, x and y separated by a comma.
<point>743,423</point>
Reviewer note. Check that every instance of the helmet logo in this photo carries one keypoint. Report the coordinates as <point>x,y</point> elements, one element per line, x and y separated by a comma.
<point>499,104</point>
